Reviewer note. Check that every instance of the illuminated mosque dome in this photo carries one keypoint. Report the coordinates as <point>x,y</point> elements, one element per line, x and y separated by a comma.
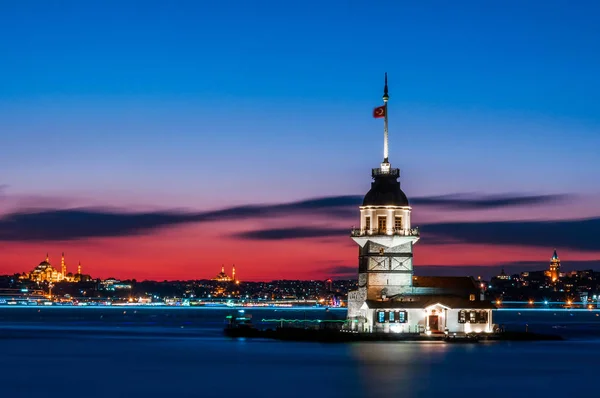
<point>223,277</point>
<point>44,272</point>
<point>44,266</point>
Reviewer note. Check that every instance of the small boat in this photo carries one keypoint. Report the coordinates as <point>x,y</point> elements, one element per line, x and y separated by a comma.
<point>240,325</point>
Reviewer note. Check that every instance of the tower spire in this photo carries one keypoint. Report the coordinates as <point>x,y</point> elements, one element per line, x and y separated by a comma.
<point>386,97</point>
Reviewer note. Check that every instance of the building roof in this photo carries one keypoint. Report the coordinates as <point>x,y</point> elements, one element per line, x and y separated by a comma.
<point>424,301</point>
<point>446,282</point>
<point>385,191</point>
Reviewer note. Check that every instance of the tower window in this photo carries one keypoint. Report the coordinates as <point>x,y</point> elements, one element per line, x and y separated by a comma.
<point>368,223</point>
<point>382,224</point>
<point>380,316</point>
<point>398,223</point>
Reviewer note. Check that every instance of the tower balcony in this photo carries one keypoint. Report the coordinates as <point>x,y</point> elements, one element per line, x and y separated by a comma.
<point>357,232</point>
<point>378,172</point>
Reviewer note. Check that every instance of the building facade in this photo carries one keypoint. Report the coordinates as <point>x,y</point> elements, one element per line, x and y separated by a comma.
<point>390,298</point>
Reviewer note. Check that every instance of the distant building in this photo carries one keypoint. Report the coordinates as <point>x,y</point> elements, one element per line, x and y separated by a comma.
<point>389,297</point>
<point>223,277</point>
<point>554,270</point>
<point>45,272</point>
<point>112,284</point>
<point>503,275</point>
<point>329,285</point>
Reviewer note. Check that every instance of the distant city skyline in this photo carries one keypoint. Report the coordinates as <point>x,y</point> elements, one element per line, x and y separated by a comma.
<point>162,144</point>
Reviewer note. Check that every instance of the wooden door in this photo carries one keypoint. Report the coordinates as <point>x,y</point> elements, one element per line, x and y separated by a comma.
<point>434,321</point>
<point>382,225</point>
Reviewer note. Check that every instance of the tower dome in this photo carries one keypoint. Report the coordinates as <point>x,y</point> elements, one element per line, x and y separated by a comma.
<point>385,190</point>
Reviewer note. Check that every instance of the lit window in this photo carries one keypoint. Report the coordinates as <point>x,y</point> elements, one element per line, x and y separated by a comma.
<point>381,317</point>
<point>367,223</point>
<point>472,317</point>
<point>391,315</point>
<point>402,318</point>
<point>483,316</point>
<point>462,317</point>
<point>382,224</point>
<point>472,297</point>
<point>398,223</point>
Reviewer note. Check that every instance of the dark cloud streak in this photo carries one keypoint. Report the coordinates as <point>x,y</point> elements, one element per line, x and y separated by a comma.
<point>465,202</point>
<point>54,225</point>
<point>573,234</point>
<point>70,224</point>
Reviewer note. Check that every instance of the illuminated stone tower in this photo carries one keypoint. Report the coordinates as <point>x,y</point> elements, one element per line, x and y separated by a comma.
<point>554,271</point>
<point>385,237</point>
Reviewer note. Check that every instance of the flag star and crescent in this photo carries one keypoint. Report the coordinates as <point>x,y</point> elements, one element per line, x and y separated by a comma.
<point>379,112</point>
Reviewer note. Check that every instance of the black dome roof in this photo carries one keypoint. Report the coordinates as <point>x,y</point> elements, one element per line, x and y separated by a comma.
<point>385,191</point>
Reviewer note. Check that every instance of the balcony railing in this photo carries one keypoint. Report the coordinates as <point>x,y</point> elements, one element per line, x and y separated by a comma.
<point>391,172</point>
<point>388,232</point>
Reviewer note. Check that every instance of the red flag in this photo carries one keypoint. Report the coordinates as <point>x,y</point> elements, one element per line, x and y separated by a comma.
<point>379,112</point>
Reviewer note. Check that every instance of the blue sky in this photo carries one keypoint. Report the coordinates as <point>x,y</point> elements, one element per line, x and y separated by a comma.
<point>200,104</point>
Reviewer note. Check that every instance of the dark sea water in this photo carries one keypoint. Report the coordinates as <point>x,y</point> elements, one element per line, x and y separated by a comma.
<point>180,352</point>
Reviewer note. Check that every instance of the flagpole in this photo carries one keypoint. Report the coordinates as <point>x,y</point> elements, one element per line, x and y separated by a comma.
<point>385,122</point>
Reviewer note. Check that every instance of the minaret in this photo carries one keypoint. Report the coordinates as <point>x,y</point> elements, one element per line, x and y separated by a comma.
<point>233,273</point>
<point>79,269</point>
<point>63,267</point>
<point>385,236</point>
<point>47,258</point>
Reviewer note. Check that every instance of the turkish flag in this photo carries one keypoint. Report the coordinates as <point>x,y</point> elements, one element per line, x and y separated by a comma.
<point>379,112</point>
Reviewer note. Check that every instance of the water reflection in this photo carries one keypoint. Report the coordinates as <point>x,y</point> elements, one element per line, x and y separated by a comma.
<point>398,369</point>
